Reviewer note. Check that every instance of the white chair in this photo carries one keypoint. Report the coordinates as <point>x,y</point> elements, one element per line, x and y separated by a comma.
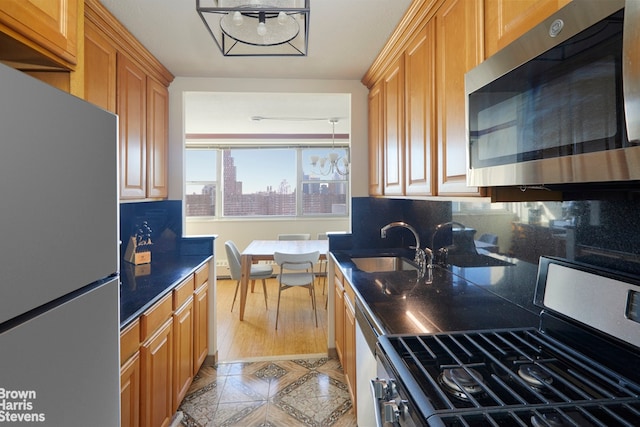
<point>297,236</point>
<point>322,267</point>
<point>258,271</point>
<point>299,272</point>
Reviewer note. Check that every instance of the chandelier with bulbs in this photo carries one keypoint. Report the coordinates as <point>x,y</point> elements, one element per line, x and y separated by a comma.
<point>257,27</point>
<point>333,163</point>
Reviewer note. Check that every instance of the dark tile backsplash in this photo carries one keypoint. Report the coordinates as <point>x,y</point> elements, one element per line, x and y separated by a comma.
<point>163,217</point>
<point>598,232</point>
<point>371,214</point>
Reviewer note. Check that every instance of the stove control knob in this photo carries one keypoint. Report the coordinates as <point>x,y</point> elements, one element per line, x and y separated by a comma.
<point>384,389</point>
<point>391,412</point>
<point>394,411</point>
<point>380,388</point>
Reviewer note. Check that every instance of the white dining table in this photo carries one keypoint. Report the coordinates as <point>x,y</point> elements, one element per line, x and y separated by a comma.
<point>263,250</point>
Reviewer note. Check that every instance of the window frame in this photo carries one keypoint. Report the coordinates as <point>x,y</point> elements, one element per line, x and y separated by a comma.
<point>299,184</point>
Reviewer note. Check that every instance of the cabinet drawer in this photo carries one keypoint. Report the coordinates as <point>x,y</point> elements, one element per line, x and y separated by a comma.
<point>182,292</point>
<point>129,341</point>
<point>349,293</point>
<point>155,316</point>
<point>202,275</point>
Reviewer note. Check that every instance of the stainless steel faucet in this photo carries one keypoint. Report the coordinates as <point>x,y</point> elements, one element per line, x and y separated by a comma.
<point>383,231</point>
<point>420,255</point>
<point>441,253</point>
<point>423,257</point>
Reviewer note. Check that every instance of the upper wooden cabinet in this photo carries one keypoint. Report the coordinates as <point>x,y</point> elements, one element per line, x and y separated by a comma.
<point>100,59</point>
<point>131,108</point>
<point>123,77</point>
<point>40,32</point>
<point>417,93</point>
<point>459,49</point>
<point>422,84</point>
<point>393,143</point>
<point>376,140</point>
<point>157,139</point>
<point>506,20</point>
<point>420,118</point>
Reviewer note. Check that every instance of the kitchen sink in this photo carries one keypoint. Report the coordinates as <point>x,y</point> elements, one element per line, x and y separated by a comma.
<point>476,260</point>
<point>383,263</point>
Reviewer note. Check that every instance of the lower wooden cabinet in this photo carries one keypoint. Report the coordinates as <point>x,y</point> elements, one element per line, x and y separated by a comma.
<point>130,392</point>
<point>157,372</point>
<point>201,329</point>
<point>130,375</point>
<point>349,362</point>
<point>183,352</point>
<point>339,314</point>
<point>345,329</point>
<point>161,352</point>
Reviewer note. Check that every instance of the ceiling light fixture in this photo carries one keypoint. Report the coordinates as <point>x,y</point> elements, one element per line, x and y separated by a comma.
<point>257,27</point>
<point>331,164</point>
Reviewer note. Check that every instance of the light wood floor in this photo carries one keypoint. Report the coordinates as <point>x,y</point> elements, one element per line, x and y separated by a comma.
<point>256,337</point>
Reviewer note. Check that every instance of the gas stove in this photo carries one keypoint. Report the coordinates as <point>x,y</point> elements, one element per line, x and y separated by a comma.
<point>579,368</point>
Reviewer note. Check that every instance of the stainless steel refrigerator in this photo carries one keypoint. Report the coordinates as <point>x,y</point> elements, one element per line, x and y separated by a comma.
<point>59,262</point>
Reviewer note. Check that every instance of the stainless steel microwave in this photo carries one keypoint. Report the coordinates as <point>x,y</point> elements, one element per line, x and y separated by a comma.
<point>561,104</point>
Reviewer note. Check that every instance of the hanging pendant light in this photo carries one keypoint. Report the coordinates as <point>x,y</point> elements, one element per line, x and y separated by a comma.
<point>333,163</point>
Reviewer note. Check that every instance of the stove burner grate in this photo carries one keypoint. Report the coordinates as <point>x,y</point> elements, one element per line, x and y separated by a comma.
<point>462,382</point>
<point>534,375</point>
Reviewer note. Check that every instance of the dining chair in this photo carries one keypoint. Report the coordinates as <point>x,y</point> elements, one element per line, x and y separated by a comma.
<point>299,273</point>
<point>322,266</point>
<point>258,271</point>
<point>295,236</point>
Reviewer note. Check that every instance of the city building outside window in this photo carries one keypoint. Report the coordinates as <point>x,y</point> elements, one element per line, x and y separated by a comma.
<point>264,182</point>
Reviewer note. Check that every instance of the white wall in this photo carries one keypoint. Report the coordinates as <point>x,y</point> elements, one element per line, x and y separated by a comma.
<point>243,231</point>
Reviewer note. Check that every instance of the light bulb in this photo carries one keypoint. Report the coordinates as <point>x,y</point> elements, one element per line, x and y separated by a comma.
<point>333,157</point>
<point>262,29</point>
<point>237,18</point>
<point>282,18</point>
<point>314,160</point>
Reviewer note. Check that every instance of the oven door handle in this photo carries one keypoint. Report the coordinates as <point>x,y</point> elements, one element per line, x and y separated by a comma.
<point>376,405</point>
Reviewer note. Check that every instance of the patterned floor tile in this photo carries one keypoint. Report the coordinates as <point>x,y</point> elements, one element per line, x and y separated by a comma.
<point>315,399</point>
<point>287,393</point>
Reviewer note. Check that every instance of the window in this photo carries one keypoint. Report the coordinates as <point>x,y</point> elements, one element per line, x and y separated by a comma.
<point>201,182</point>
<point>263,182</point>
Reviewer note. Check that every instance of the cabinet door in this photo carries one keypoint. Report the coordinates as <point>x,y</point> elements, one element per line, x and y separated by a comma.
<point>157,373</point>
<point>131,96</point>
<point>506,20</point>
<point>51,25</point>
<point>99,68</point>
<point>157,138</point>
<point>130,392</point>
<point>420,112</point>
<point>376,141</point>
<point>393,92</point>
<point>349,363</point>
<point>182,352</point>
<point>201,326</point>
<point>339,318</point>
<point>459,48</point>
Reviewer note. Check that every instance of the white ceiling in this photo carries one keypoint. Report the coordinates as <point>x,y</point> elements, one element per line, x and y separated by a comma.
<point>345,36</point>
<point>229,112</point>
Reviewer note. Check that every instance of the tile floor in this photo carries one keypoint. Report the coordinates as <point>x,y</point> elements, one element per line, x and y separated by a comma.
<point>287,393</point>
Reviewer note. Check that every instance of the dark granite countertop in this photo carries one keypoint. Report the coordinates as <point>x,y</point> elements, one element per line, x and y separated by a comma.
<point>457,299</point>
<point>143,285</point>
